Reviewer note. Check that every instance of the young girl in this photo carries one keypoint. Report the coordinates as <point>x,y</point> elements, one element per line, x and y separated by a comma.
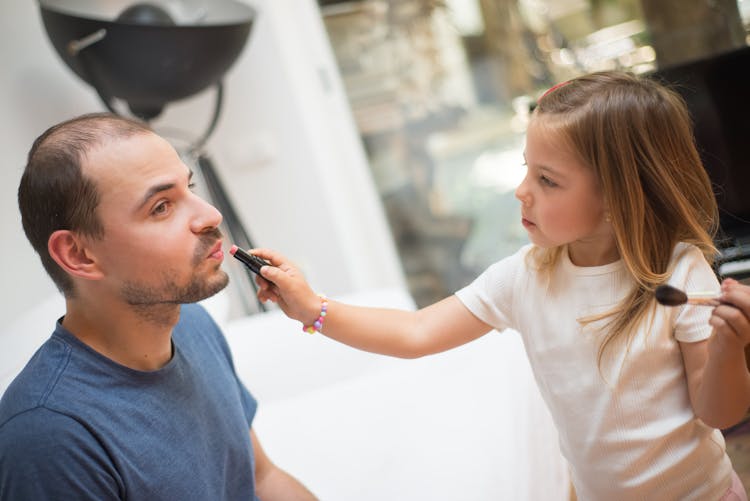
<point>615,202</point>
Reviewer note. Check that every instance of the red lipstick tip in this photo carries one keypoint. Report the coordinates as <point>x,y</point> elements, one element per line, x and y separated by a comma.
<point>233,249</point>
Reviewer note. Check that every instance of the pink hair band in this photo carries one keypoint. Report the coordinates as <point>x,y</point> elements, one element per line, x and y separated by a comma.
<point>555,87</point>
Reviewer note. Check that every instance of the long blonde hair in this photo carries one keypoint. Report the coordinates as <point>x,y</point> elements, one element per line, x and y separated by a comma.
<point>636,135</point>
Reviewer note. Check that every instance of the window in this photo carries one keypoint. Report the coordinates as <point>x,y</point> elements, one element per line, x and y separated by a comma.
<point>440,91</point>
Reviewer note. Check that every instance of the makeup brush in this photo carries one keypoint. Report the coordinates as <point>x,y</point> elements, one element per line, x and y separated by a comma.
<point>672,296</point>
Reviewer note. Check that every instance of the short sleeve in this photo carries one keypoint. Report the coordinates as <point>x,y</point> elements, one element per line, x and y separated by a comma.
<point>45,455</point>
<point>692,273</point>
<point>490,296</point>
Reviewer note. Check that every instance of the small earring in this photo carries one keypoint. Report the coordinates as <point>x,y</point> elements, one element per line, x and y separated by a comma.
<point>607,217</point>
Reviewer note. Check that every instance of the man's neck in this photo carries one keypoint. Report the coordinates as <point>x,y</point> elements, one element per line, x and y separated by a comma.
<point>137,337</point>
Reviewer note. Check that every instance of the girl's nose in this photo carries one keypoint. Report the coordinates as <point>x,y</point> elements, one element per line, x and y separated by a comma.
<point>522,193</point>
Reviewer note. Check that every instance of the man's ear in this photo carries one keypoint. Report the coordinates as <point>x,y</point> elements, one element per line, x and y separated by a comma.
<point>69,251</point>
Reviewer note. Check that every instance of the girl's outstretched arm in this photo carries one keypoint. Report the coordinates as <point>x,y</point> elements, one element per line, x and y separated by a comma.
<point>406,334</point>
<point>717,371</point>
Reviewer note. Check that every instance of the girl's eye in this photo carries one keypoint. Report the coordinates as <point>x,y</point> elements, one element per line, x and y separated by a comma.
<point>547,181</point>
<point>191,186</point>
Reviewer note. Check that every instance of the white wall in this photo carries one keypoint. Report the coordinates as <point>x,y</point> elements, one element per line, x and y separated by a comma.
<point>286,147</point>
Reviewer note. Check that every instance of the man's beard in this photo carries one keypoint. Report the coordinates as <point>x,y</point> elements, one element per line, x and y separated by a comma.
<point>143,296</point>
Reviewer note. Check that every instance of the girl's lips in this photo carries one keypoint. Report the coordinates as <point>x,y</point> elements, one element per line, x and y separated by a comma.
<point>526,223</point>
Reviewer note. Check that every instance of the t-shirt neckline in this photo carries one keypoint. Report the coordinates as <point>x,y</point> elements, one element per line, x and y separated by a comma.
<point>67,337</point>
<point>603,269</point>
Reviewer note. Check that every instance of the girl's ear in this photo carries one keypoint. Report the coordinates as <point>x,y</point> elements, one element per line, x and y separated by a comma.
<point>70,253</point>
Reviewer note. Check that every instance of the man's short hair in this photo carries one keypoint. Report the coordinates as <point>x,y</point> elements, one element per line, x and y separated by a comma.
<point>54,194</point>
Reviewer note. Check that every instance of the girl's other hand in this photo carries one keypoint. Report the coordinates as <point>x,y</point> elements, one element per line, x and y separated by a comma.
<point>731,319</point>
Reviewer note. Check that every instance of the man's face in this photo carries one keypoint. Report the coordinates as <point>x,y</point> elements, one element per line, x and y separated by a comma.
<point>161,241</point>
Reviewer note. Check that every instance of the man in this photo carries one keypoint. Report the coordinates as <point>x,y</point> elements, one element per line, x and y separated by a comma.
<point>135,395</point>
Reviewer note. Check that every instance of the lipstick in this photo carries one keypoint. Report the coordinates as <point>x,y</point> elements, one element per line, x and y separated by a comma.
<point>249,260</point>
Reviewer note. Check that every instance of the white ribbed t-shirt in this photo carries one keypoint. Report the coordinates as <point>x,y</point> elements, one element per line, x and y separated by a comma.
<point>627,428</point>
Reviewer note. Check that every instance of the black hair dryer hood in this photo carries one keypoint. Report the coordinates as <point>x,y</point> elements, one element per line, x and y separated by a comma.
<point>147,53</point>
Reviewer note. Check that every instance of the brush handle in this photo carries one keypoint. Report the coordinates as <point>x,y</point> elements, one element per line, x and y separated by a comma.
<point>703,298</point>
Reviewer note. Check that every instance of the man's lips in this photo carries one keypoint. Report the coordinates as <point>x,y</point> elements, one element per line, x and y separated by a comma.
<point>216,252</point>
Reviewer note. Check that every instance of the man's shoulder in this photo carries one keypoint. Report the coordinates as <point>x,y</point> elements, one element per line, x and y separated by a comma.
<point>35,433</point>
<point>34,426</point>
<point>46,454</point>
<point>36,381</point>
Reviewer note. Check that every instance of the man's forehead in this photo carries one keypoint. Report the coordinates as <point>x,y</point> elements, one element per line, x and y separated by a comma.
<point>134,162</point>
<point>109,148</point>
<point>126,153</point>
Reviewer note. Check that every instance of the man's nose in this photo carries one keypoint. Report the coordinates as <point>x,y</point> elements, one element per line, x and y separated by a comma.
<point>206,217</point>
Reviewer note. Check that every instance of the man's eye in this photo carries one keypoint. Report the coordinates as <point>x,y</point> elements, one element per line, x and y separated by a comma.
<point>191,186</point>
<point>161,208</point>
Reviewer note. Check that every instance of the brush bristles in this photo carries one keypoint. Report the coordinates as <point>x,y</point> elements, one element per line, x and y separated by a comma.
<point>670,296</point>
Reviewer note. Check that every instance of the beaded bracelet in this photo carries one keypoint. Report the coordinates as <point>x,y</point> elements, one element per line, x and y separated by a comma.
<point>317,326</point>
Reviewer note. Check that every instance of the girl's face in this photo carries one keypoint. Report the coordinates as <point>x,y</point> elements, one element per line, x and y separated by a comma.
<point>561,202</point>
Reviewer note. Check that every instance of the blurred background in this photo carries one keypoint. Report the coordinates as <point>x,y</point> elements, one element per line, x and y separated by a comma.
<point>440,93</point>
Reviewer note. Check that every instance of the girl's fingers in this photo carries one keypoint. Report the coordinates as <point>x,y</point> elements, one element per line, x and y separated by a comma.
<point>730,320</point>
<point>736,294</point>
<point>270,255</point>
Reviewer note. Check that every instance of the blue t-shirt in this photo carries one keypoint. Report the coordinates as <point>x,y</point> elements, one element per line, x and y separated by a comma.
<point>77,425</point>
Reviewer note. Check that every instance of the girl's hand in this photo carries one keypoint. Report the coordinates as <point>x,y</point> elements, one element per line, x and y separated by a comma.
<point>731,319</point>
<point>285,285</point>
